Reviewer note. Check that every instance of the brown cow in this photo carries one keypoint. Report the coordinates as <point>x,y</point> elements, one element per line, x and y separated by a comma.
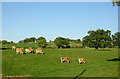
<point>81,60</point>
<point>13,47</point>
<point>39,51</point>
<point>19,50</point>
<point>64,59</point>
<point>29,50</point>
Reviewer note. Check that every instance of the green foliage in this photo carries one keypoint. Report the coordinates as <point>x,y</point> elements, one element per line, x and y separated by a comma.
<point>32,39</point>
<point>116,38</point>
<point>67,39</point>
<point>75,45</point>
<point>51,45</point>
<point>116,2</point>
<point>4,42</point>
<point>41,42</point>
<point>11,42</point>
<point>75,41</point>
<point>27,40</point>
<point>98,38</point>
<point>61,42</point>
<point>21,41</point>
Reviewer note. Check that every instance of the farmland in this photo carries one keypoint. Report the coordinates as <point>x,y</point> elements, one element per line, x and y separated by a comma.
<point>98,63</point>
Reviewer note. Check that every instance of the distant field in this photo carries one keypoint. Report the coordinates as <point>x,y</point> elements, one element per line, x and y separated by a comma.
<point>49,45</point>
<point>49,65</point>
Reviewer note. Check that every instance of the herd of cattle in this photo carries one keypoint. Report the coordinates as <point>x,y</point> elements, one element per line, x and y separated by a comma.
<point>30,50</point>
<point>27,50</point>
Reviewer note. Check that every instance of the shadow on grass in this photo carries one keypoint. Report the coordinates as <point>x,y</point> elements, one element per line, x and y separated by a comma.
<point>104,50</point>
<point>5,48</point>
<point>80,74</point>
<point>114,59</point>
<point>2,48</point>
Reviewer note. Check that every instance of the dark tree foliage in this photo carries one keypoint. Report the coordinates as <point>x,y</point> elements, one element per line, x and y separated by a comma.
<point>27,40</point>
<point>32,39</point>
<point>61,42</point>
<point>41,42</point>
<point>4,42</point>
<point>11,42</point>
<point>98,39</point>
<point>67,39</point>
<point>21,41</point>
<point>116,39</point>
<point>116,2</point>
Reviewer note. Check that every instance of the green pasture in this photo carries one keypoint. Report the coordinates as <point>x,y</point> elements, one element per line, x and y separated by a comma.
<point>98,63</point>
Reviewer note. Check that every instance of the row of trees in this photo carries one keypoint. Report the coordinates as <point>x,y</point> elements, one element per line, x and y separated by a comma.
<point>95,39</point>
<point>27,40</point>
<point>6,42</point>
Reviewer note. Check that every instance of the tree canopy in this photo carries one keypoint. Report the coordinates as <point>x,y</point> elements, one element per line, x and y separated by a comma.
<point>27,40</point>
<point>116,39</point>
<point>41,42</point>
<point>98,38</point>
<point>116,2</point>
<point>61,42</point>
<point>4,42</point>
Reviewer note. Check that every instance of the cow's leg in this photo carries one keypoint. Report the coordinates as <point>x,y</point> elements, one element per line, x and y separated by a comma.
<point>61,60</point>
<point>17,52</point>
<point>36,52</point>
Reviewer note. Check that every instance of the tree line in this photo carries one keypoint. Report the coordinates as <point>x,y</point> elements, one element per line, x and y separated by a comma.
<point>95,39</point>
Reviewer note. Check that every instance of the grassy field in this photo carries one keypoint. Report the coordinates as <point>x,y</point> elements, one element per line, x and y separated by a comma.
<point>49,65</point>
<point>49,45</point>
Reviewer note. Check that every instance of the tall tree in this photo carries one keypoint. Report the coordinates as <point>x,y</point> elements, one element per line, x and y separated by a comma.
<point>32,39</point>
<point>116,39</point>
<point>61,42</point>
<point>116,2</point>
<point>98,38</point>
<point>41,41</point>
<point>21,41</point>
<point>4,42</point>
<point>26,40</point>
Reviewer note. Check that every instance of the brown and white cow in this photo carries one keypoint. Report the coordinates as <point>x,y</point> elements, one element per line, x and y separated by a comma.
<point>13,47</point>
<point>29,50</point>
<point>81,60</point>
<point>64,59</point>
<point>19,50</point>
<point>39,51</point>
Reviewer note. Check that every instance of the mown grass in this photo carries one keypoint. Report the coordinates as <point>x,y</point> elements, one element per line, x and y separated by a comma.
<point>49,65</point>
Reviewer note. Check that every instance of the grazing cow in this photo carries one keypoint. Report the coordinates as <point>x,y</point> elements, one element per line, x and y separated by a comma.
<point>29,47</point>
<point>81,60</point>
<point>29,50</point>
<point>64,59</point>
<point>19,50</point>
<point>13,47</point>
<point>39,51</point>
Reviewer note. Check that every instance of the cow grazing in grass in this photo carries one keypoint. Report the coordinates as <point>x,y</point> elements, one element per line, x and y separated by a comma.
<point>29,47</point>
<point>29,50</point>
<point>13,47</point>
<point>64,59</point>
<point>81,60</point>
<point>39,51</point>
<point>19,50</point>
